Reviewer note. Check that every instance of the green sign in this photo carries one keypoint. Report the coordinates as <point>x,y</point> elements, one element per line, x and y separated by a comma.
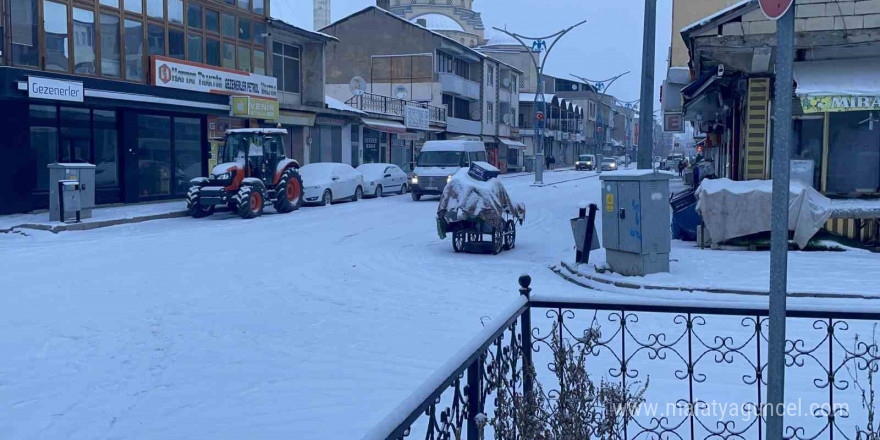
<point>842,103</point>
<point>250,107</point>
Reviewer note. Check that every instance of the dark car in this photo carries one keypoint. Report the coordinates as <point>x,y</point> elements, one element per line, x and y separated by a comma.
<point>585,162</point>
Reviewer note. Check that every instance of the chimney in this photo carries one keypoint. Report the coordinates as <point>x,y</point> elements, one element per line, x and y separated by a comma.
<point>422,22</point>
<point>384,4</point>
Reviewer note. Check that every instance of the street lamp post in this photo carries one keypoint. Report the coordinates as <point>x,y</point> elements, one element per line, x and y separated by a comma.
<point>539,46</point>
<point>602,88</point>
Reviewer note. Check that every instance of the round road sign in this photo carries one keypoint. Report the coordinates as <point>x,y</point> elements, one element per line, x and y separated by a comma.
<point>774,9</point>
<point>540,116</point>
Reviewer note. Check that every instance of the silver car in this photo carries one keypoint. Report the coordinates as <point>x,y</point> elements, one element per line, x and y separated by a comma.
<point>383,178</point>
<point>609,164</point>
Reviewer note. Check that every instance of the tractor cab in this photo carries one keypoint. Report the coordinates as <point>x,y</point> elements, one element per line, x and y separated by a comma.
<point>260,151</point>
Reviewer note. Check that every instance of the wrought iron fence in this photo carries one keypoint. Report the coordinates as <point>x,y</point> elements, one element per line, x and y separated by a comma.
<point>386,105</point>
<point>671,367</point>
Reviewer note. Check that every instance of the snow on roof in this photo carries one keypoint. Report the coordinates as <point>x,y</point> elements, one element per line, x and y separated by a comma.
<point>257,130</point>
<point>530,97</point>
<point>828,78</point>
<point>298,30</point>
<point>716,15</point>
<point>634,173</point>
<point>496,38</point>
<point>454,145</point>
<point>335,104</point>
<point>439,22</point>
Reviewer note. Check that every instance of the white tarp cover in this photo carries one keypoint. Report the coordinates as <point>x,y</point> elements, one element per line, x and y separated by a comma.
<point>735,209</point>
<point>466,198</point>
<point>833,78</point>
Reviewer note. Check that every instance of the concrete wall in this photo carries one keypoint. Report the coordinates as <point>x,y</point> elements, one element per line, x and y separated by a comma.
<point>311,69</point>
<point>685,12</point>
<point>521,61</point>
<point>490,95</point>
<point>814,15</point>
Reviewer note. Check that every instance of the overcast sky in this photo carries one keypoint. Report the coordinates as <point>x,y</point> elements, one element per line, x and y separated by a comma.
<point>608,44</point>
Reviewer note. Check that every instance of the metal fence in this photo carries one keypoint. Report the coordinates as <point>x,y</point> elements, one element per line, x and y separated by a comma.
<point>386,105</point>
<point>676,366</point>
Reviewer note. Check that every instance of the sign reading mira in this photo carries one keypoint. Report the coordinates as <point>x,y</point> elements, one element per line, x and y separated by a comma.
<point>417,118</point>
<point>842,103</point>
<point>179,74</point>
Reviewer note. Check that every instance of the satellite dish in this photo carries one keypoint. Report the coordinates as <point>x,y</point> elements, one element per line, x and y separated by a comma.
<point>476,115</point>
<point>507,119</point>
<point>505,82</point>
<point>401,92</point>
<point>574,87</point>
<point>357,86</point>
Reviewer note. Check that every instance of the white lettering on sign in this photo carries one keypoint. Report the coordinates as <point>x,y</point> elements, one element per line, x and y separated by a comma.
<point>417,118</point>
<point>177,74</point>
<point>47,88</point>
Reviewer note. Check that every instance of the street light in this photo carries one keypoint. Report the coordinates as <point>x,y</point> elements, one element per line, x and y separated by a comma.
<point>600,86</point>
<point>539,46</point>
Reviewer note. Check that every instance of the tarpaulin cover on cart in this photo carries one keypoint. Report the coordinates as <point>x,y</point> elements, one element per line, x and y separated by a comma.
<point>468,199</point>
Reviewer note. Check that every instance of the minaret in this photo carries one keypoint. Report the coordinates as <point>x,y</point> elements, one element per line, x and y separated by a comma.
<point>322,14</point>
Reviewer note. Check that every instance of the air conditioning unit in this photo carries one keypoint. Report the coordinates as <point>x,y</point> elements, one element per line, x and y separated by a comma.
<point>507,118</point>
<point>506,82</point>
<point>476,115</point>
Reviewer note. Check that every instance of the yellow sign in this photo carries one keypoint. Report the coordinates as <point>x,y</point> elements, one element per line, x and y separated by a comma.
<point>820,104</point>
<point>609,202</point>
<point>250,107</point>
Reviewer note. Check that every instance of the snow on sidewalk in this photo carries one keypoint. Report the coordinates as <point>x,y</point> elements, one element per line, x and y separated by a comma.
<point>118,213</point>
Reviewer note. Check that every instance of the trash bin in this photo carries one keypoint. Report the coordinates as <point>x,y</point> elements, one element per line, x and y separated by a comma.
<point>66,178</point>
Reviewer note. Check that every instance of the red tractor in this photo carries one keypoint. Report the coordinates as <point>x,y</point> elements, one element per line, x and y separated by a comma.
<point>252,172</point>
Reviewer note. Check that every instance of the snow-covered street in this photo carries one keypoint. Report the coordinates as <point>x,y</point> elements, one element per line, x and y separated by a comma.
<point>311,325</point>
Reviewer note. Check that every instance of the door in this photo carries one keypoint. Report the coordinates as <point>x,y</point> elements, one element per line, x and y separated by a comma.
<point>389,180</point>
<point>339,184</point>
<point>629,211</point>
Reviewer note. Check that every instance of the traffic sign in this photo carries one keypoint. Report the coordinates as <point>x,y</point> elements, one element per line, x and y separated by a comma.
<point>774,9</point>
<point>540,116</point>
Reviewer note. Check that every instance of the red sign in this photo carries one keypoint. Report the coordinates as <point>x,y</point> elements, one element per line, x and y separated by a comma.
<point>540,116</point>
<point>774,9</point>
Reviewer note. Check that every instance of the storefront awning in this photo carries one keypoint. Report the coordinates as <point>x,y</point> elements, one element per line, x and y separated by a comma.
<point>382,125</point>
<point>511,143</point>
<point>838,78</point>
<point>297,118</point>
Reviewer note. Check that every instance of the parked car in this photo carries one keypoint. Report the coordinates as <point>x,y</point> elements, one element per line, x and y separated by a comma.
<point>585,162</point>
<point>439,160</point>
<point>671,162</point>
<point>383,178</point>
<point>330,182</point>
<point>609,164</point>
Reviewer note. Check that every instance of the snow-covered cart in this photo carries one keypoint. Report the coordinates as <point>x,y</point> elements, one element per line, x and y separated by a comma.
<point>471,209</point>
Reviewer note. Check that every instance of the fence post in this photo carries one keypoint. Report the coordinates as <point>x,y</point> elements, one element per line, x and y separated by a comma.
<point>525,283</point>
<point>474,397</point>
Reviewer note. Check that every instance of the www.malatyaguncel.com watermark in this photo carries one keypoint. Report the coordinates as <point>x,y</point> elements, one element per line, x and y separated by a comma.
<point>730,410</point>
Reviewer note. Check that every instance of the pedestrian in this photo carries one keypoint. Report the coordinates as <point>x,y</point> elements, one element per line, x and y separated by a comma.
<point>547,162</point>
<point>552,161</point>
<point>681,167</point>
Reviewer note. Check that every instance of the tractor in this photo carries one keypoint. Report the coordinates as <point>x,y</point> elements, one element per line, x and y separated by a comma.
<point>252,172</point>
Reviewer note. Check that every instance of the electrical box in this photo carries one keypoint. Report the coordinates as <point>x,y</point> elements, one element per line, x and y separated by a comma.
<point>636,221</point>
<point>66,178</point>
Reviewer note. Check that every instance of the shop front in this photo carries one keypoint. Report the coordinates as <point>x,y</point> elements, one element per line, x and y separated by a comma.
<point>380,137</point>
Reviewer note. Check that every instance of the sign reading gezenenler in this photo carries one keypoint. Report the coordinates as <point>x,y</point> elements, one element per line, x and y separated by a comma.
<point>178,74</point>
<point>48,88</point>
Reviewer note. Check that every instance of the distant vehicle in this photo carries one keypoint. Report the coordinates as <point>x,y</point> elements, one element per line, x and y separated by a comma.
<point>382,178</point>
<point>439,160</point>
<point>671,162</point>
<point>609,164</point>
<point>329,182</point>
<point>585,162</point>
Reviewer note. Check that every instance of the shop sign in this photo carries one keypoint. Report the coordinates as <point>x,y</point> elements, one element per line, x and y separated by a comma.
<point>179,74</point>
<point>323,120</point>
<point>673,123</point>
<point>249,107</point>
<point>842,103</point>
<point>417,118</point>
<point>47,88</point>
<point>410,136</point>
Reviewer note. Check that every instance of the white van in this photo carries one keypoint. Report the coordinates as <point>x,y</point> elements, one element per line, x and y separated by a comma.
<point>439,160</point>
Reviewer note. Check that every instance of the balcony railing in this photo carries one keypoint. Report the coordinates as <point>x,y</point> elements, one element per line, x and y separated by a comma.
<point>667,370</point>
<point>388,106</point>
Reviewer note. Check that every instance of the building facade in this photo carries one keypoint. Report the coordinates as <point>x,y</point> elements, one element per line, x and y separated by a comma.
<point>455,19</point>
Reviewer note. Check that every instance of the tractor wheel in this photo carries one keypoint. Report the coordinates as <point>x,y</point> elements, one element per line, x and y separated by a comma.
<point>288,193</point>
<point>497,241</point>
<point>232,206</point>
<point>458,240</point>
<point>250,200</point>
<point>402,189</point>
<point>378,194</point>
<point>326,198</point>
<point>193,204</point>
<point>358,194</point>
<point>509,235</point>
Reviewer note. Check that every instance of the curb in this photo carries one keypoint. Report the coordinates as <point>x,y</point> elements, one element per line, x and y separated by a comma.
<point>94,225</point>
<point>571,275</point>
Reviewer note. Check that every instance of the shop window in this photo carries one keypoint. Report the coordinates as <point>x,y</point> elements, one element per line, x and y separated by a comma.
<point>155,39</point>
<point>134,50</point>
<point>260,34</point>
<point>84,41</point>
<point>244,59</point>
<point>853,153</point>
<point>24,33</point>
<point>212,52</point>
<point>76,135</point>
<point>259,7</point>
<point>259,62</point>
<point>212,21</point>
<point>227,25</point>
<point>110,50</point>
<point>55,36</point>
<point>228,60</point>
<point>156,9</point>
<point>194,48</point>
<point>176,44</point>
<point>43,141</point>
<point>244,30</point>
<point>106,140</point>
<point>187,152</point>
<point>154,155</point>
<point>175,11</point>
<point>194,16</point>
<point>135,6</point>
<point>112,3</point>
<point>806,139</point>
<point>286,66</point>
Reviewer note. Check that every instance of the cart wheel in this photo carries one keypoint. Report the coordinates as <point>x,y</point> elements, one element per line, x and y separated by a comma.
<point>497,241</point>
<point>458,240</point>
<point>509,235</point>
<point>473,237</point>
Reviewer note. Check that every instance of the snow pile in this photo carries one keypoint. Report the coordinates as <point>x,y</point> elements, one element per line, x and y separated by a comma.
<point>855,208</point>
<point>468,199</point>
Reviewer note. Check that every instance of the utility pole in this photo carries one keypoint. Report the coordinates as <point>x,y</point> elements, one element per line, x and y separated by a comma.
<point>539,47</point>
<point>646,109</point>
<point>602,88</point>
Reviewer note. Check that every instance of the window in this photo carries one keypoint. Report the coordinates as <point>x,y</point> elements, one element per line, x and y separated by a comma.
<point>212,52</point>
<point>76,135</point>
<point>228,25</point>
<point>286,66</point>
<point>55,36</point>
<point>244,30</point>
<point>244,4</point>
<point>490,113</point>
<point>110,47</point>
<point>106,142</point>
<point>44,141</point>
<point>84,42</point>
<point>244,59</point>
<point>187,152</point>
<point>259,8</point>
<point>229,2</point>
<point>491,76</point>
<point>134,50</point>
<point>175,11</point>
<point>194,16</point>
<point>228,58</point>
<point>260,34</point>
<point>194,48</point>
<point>24,33</point>
<point>462,109</point>
<point>154,155</point>
<point>212,21</point>
<point>853,153</point>
<point>259,62</point>
<point>175,44</point>
<point>155,40</point>
<point>113,3</point>
<point>156,9</point>
<point>135,6</point>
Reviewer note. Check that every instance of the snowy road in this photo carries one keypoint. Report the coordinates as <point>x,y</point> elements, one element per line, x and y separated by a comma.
<point>308,326</point>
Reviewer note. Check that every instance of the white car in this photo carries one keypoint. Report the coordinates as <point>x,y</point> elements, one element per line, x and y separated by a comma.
<point>382,178</point>
<point>329,182</point>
